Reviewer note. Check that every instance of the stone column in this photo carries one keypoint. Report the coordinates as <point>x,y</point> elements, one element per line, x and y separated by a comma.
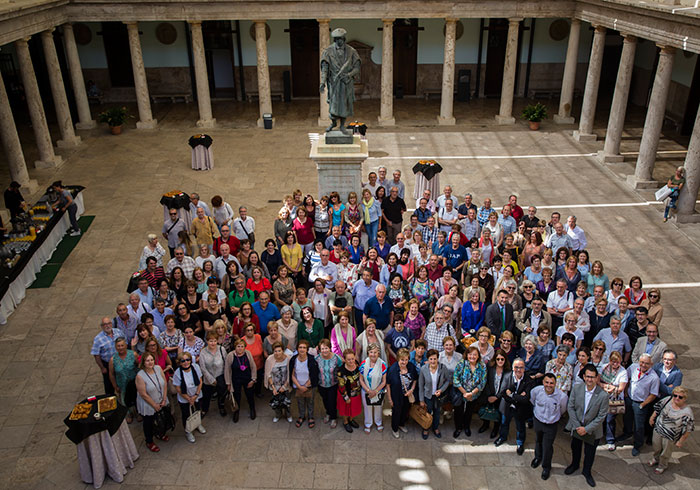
<point>324,40</point>
<point>616,121</point>
<point>206,120</point>
<point>47,157</point>
<point>264,96</point>
<point>590,95</point>
<point>505,114</point>
<point>386,112</point>
<point>58,92</point>
<point>567,85</point>
<point>446,117</point>
<point>654,121</point>
<point>689,192</point>
<point>143,101</point>
<point>11,144</point>
<point>77,80</point>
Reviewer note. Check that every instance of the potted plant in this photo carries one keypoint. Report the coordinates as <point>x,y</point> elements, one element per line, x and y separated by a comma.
<point>114,117</point>
<point>534,113</point>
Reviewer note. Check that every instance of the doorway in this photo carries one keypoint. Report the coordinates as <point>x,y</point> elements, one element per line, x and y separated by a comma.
<point>304,45</point>
<point>495,57</point>
<point>116,41</point>
<point>691,107</point>
<point>405,56</point>
<point>218,52</point>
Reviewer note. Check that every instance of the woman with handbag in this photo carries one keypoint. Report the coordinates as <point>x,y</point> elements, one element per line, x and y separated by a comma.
<point>122,373</point>
<point>211,362</point>
<point>151,396</point>
<point>373,381</point>
<point>348,400</point>
<point>188,383</point>
<point>613,379</point>
<point>303,371</point>
<point>468,382</point>
<point>241,374</point>
<point>673,421</point>
<point>277,381</point>
<point>497,378</point>
<point>402,378</point>
<point>433,385</point>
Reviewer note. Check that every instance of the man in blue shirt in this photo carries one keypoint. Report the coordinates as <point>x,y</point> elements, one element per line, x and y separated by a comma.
<point>439,246</point>
<point>361,292</point>
<point>379,309</point>
<point>103,350</point>
<point>266,312</point>
<point>507,221</point>
<point>455,256</point>
<point>160,312</point>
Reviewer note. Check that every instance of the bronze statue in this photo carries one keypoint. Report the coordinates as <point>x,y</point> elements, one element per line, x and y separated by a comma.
<point>339,65</point>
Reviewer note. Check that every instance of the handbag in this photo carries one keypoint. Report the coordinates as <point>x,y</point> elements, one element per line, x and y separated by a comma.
<point>616,407</point>
<point>421,416</point>
<point>194,420</point>
<point>163,421</point>
<point>490,413</point>
<point>230,404</point>
<point>379,403</point>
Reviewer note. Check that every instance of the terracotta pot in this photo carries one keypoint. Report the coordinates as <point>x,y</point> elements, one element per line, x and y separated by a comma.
<point>534,125</point>
<point>116,129</point>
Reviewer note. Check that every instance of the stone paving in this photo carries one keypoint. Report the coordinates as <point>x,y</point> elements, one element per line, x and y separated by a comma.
<point>47,366</point>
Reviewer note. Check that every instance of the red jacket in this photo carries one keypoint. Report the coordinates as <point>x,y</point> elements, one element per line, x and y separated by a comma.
<point>233,242</point>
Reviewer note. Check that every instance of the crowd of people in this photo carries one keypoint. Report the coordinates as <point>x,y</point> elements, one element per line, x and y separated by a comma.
<point>462,311</point>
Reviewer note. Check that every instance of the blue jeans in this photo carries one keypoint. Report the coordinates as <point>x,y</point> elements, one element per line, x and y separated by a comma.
<point>519,426</point>
<point>671,203</point>
<point>372,229</point>
<point>635,420</point>
<point>433,405</point>
<point>610,426</point>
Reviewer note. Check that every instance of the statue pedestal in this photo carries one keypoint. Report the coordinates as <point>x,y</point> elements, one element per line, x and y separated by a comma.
<point>339,166</point>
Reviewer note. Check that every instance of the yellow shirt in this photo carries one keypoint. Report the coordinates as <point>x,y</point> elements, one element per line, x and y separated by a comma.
<point>292,256</point>
<point>204,232</point>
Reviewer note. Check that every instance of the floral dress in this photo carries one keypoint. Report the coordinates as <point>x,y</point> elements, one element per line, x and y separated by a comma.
<point>564,374</point>
<point>354,216</point>
<point>423,291</point>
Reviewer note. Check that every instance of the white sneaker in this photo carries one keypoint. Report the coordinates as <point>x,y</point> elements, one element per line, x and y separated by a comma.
<point>395,434</point>
<point>190,437</point>
<point>334,424</point>
<point>75,233</point>
<point>403,429</point>
<point>275,420</point>
<point>326,419</point>
<point>290,419</point>
<point>611,447</point>
<point>201,429</point>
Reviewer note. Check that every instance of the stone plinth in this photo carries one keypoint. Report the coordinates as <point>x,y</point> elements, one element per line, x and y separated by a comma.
<point>339,166</point>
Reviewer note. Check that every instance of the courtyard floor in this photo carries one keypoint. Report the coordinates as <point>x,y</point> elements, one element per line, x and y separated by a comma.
<point>47,366</point>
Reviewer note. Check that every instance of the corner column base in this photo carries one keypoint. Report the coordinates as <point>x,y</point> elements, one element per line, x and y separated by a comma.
<point>206,123</point>
<point>68,143</point>
<point>688,218</point>
<point>642,184</point>
<point>446,121</point>
<point>609,158</point>
<point>584,137</point>
<point>86,125</point>
<point>261,122</point>
<point>56,162</point>
<point>386,121</point>
<point>324,122</point>
<point>504,120</point>
<point>152,124</point>
<point>563,119</point>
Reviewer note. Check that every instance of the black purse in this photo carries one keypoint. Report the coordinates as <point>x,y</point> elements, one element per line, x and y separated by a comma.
<point>163,421</point>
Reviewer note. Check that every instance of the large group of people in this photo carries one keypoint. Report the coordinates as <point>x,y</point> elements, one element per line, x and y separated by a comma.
<point>464,311</point>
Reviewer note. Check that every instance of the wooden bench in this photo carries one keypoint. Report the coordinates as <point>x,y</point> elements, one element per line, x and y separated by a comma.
<point>95,99</point>
<point>254,95</point>
<point>187,98</point>
<point>549,93</point>
<point>429,92</point>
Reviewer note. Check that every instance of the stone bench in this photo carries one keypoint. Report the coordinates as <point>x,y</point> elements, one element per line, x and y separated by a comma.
<point>548,92</point>
<point>187,98</point>
<point>254,95</point>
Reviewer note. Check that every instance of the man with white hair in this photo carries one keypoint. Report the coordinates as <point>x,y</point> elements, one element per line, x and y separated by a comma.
<point>559,239</point>
<point>577,235</point>
<point>196,202</point>
<point>642,390</point>
<point>400,186</point>
<point>382,180</point>
<point>244,226</point>
<point>183,261</point>
<point>440,202</point>
<point>431,203</point>
<point>223,260</point>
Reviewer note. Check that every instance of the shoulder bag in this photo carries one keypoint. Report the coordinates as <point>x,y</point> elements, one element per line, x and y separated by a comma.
<point>194,420</point>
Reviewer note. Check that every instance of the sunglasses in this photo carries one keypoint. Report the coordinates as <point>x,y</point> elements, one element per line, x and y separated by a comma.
<point>653,295</point>
<point>598,348</point>
<point>187,360</point>
<point>680,397</point>
<point>505,341</point>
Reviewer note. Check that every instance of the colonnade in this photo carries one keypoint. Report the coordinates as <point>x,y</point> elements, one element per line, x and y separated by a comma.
<point>642,177</point>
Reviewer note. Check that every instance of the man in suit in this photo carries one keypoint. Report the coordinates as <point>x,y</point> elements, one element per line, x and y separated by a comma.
<point>515,403</point>
<point>499,316</point>
<point>669,374</point>
<point>531,319</point>
<point>650,344</point>
<point>588,408</point>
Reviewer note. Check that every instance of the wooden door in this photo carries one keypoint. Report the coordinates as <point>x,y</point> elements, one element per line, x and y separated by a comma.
<point>495,56</point>
<point>116,41</point>
<point>218,52</point>
<point>303,42</point>
<point>405,55</point>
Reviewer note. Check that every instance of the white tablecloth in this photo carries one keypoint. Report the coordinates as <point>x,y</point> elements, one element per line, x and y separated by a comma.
<point>202,158</point>
<point>422,183</point>
<point>101,454</point>
<point>17,290</point>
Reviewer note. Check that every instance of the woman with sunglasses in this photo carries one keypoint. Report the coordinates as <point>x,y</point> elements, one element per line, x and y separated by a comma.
<point>188,383</point>
<point>672,421</point>
<point>654,306</point>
